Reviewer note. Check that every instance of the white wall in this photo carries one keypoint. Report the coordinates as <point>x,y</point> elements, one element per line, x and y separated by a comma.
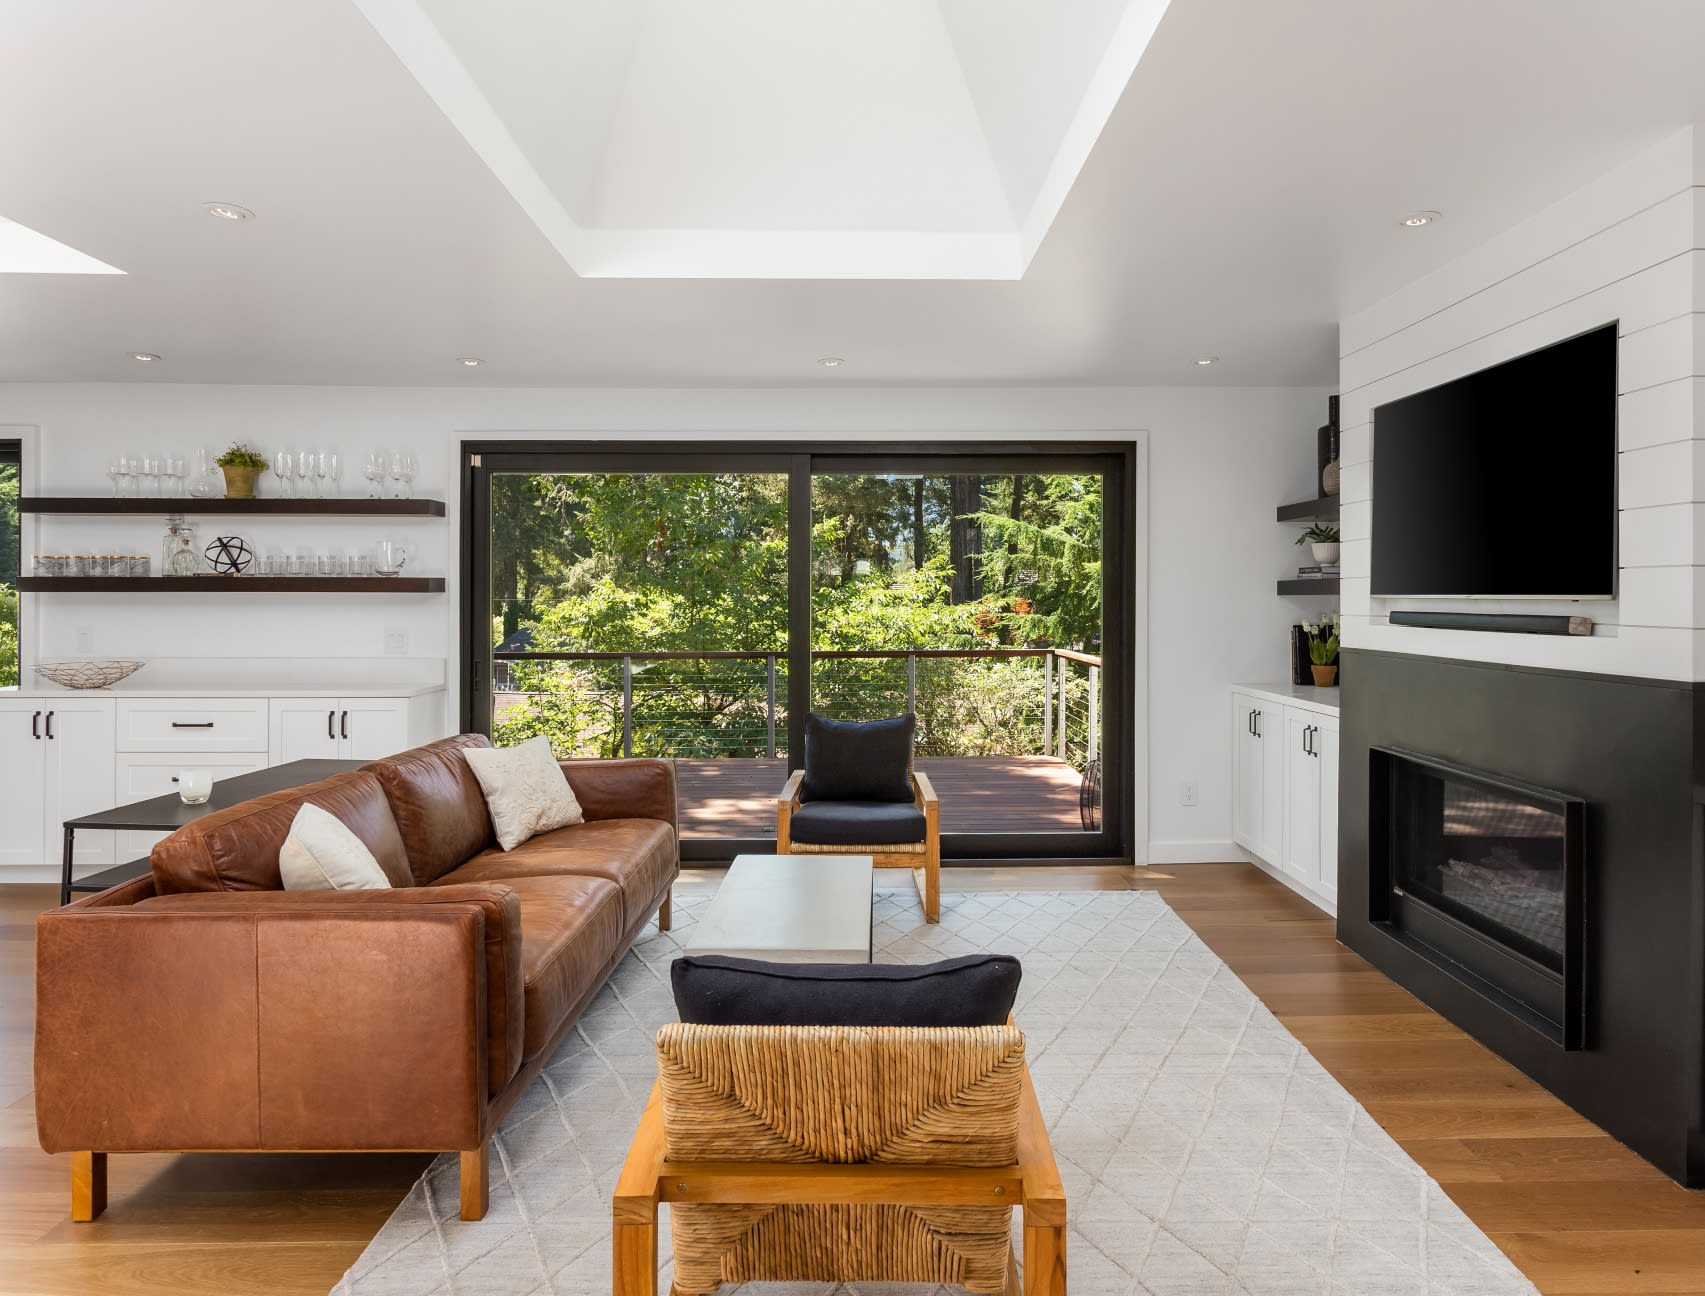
<point>1214,463</point>
<point>1627,248</point>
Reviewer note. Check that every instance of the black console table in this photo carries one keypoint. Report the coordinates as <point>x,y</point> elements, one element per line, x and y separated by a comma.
<point>168,813</point>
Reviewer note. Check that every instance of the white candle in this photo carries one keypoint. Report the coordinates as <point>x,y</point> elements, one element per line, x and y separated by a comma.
<point>194,786</point>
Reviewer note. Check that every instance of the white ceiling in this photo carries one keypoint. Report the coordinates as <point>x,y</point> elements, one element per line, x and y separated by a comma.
<point>1244,193</point>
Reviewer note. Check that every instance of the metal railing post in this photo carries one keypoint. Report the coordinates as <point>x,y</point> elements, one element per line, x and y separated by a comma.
<point>627,706</point>
<point>1048,705</point>
<point>1065,679</point>
<point>911,683</point>
<point>770,705</point>
<point>1094,713</point>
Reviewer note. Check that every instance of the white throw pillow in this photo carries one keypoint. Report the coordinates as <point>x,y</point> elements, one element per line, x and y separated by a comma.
<point>321,854</point>
<point>524,789</point>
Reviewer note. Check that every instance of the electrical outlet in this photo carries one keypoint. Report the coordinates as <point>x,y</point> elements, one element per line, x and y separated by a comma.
<point>396,643</point>
<point>1187,794</point>
<point>85,639</point>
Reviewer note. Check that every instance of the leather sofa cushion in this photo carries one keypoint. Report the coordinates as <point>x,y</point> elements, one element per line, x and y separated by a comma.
<point>571,928</point>
<point>862,823</point>
<point>858,760</point>
<point>438,805</point>
<point>237,849</point>
<point>638,855</point>
<point>974,990</point>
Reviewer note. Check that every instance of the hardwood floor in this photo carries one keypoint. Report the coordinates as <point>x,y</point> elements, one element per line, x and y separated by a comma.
<point>1579,1213</point>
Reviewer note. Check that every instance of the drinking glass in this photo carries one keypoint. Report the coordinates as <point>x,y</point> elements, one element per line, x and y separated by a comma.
<point>331,562</point>
<point>118,473</point>
<point>331,468</point>
<point>281,469</point>
<point>402,469</point>
<point>360,564</point>
<point>195,786</point>
<point>202,486</point>
<point>374,472</point>
<point>147,469</point>
<point>174,474</point>
<point>322,470</point>
<point>304,464</point>
<point>303,562</point>
<point>389,557</point>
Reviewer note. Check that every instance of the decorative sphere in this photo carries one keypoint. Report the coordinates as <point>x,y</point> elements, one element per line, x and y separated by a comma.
<point>229,555</point>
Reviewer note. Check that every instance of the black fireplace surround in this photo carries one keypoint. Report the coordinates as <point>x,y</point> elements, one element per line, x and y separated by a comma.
<point>1522,849</point>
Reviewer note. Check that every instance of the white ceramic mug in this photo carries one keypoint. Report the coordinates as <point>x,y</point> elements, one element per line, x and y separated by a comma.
<point>195,786</point>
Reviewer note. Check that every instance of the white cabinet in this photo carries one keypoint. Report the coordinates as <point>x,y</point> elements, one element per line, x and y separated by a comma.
<point>338,728</point>
<point>1258,774</point>
<point>192,724</point>
<point>58,764</point>
<point>1285,786</point>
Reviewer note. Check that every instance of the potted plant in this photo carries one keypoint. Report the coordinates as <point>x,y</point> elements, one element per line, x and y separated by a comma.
<point>241,465</point>
<point>1323,650</point>
<point>1322,539</point>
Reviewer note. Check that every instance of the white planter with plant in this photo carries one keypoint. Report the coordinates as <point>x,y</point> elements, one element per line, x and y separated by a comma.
<point>1322,540</point>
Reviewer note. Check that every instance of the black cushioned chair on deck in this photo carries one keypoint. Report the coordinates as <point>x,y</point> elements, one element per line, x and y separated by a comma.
<point>859,795</point>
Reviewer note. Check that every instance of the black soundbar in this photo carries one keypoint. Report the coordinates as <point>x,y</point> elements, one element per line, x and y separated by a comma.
<point>1500,622</point>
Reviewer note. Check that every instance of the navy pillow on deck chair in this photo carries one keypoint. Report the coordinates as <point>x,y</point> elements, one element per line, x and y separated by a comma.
<point>858,760</point>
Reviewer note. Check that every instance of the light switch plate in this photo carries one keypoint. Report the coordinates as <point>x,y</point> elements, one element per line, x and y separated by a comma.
<point>396,643</point>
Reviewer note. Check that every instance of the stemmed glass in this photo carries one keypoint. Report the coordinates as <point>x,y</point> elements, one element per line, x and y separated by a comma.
<point>326,468</point>
<point>304,464</point>
<point>281,469</point>
<point>148,471</point>
<point>173,470</point>
<point>374,472</point>
<point>118,473</point>
<point>402,470</point>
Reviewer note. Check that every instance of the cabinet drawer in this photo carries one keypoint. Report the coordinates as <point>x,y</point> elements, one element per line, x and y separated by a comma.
<point>192,725</point>
<point>151,774</point>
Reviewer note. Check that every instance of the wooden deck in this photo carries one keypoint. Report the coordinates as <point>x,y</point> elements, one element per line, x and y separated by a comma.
<point>737,798</point>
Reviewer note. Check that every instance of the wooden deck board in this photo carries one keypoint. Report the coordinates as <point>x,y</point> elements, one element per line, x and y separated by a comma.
<point>735,797</point>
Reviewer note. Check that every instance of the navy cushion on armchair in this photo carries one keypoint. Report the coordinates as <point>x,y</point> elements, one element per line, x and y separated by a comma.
<point>857,823</point>
<point>858,760</point>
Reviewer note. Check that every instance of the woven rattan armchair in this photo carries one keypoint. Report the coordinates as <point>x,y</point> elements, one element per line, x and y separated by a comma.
<point>841,1154</point>
<point>922,857</point>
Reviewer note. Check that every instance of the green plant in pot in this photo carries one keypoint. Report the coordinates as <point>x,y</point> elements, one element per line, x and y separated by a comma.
<point>1322,539</point>
<point>1323,649</point>
<point>242,466</point>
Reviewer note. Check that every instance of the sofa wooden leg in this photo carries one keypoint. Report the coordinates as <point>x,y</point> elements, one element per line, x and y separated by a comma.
<point>633,1260</point>
<point>88,1185</point>
<point>1044,1260</point>
<point>476,1181</point>
<point>666,911</point>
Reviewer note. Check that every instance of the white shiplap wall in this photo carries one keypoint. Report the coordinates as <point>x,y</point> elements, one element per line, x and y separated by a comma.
<point>1628,248</point>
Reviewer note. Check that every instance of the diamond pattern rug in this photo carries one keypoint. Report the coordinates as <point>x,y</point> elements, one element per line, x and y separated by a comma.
<point>1204,1151</point>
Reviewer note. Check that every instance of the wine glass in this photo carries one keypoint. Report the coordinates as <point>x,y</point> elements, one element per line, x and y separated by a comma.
<point>402,468</point>
<point>148,470</point>
<point>374,472</point>
<point>281,469</point>
<point>331,468</point>
<point>304,464</point>
<point>118,473</point>
<point>174,468</point>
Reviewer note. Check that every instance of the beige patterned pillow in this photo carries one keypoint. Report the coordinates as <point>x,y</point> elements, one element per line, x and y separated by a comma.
<point>524,789</point>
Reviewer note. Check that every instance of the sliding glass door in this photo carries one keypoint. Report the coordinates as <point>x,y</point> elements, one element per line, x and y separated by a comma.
<point>673,601</point>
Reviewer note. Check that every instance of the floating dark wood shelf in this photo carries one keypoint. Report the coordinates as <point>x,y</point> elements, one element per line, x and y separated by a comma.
<point>160,505</point>
<point>1309,585</point>
<point>1306,510</point>
<point>234,584</point>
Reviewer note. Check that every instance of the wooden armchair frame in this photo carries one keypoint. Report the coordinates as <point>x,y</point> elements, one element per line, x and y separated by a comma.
<point>925,863</point>
<point>1032,1184</point>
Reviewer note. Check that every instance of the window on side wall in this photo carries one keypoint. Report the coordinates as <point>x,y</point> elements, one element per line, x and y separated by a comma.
<point>10,544</point>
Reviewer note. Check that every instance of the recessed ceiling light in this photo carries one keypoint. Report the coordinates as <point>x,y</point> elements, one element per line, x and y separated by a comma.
<point>831,362</point>
<point>228,211</point>
<point>470,361</point>
<point>1414,220</point>
<point>147,357</point>
<point>1207,360</point>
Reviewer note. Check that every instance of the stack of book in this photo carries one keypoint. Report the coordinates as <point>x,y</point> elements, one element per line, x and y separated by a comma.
<point>1317,569</point>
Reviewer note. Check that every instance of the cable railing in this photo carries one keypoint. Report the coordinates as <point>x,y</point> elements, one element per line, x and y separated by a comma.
<point>686,704</point>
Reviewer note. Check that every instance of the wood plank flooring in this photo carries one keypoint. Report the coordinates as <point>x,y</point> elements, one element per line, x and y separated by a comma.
<point>1580,1214</point>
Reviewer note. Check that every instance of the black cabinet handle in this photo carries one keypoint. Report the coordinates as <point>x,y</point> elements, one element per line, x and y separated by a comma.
<point>188,724</point>
<point>35,726</point>
<point>346,724</point>
<point>174,778</point>
<point>1257,723</point>
<point>1249,721</point>
<point>50,726</point>
<point>331,725</point>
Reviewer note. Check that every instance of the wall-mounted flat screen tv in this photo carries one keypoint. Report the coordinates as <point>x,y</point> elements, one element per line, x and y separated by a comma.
<point>1502,484</point>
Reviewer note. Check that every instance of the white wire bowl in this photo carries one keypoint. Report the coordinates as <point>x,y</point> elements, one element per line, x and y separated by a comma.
<point>82,674</point>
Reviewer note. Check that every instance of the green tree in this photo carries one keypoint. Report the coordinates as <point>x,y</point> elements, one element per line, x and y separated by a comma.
<point>9,561</point>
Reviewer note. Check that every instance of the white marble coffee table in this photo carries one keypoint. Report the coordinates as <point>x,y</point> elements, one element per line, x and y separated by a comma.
<point>790,909</point>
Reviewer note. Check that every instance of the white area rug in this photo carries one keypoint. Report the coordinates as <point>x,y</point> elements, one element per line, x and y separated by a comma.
<point>1203,1149</point>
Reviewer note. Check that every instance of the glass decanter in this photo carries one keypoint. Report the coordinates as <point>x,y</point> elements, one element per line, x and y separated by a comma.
<point>179,556</point>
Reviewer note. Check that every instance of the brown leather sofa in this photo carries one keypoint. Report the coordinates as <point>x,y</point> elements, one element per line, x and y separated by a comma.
<point>205,1008</point>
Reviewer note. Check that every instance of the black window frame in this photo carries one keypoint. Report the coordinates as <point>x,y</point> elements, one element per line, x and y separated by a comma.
<point>1116,461</point>
<point>12,452</point>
